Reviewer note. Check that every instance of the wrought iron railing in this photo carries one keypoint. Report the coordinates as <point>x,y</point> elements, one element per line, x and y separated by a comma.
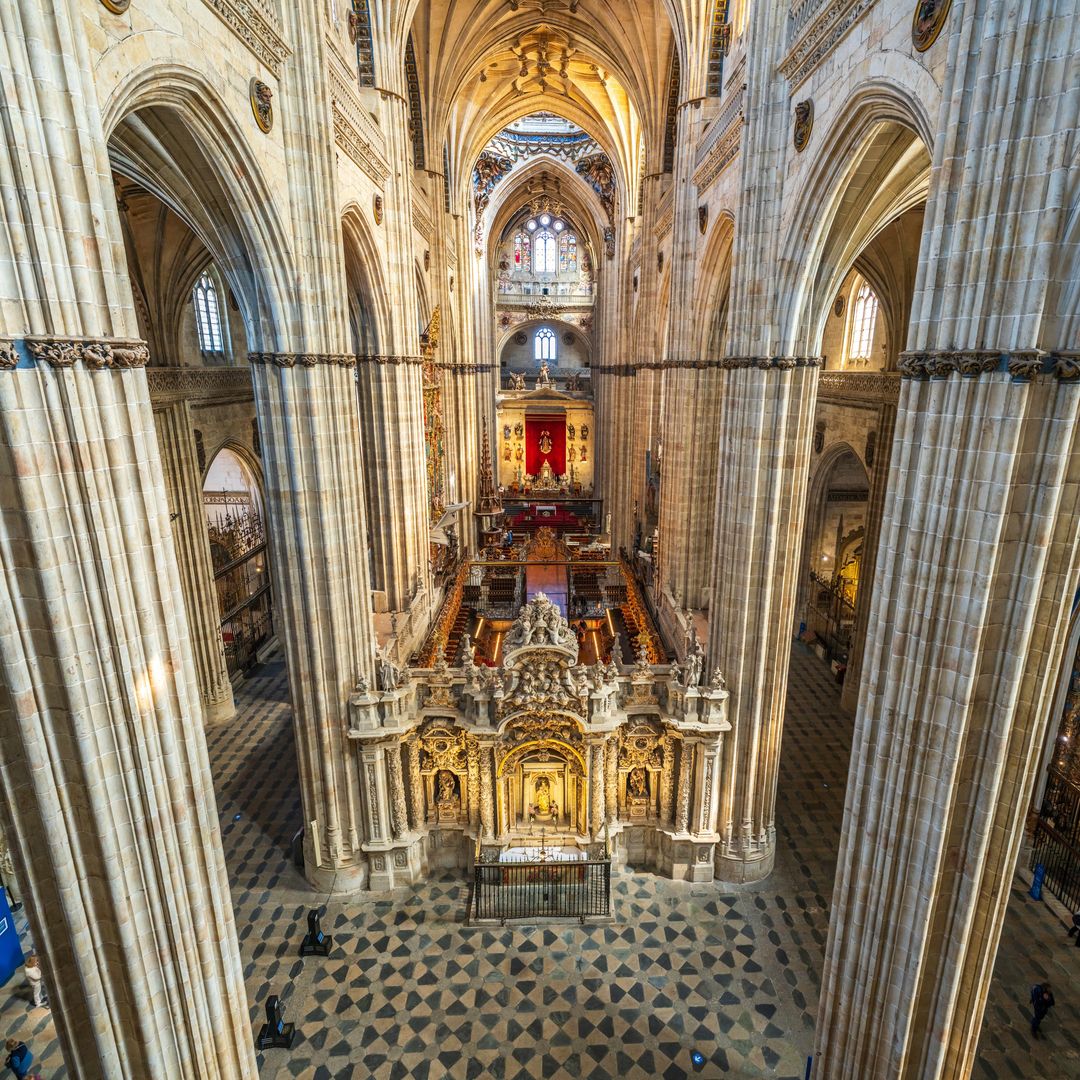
<point>530,890</point>
<point>1057,839</point>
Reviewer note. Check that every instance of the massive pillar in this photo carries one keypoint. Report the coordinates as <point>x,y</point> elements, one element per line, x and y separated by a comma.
<point>766,406</point>
<point>690,404</point>
<point>194,564</point>
<point>979,561</point>
<point>392,393</point>
<point>305,396</point>
<point>106,783</point>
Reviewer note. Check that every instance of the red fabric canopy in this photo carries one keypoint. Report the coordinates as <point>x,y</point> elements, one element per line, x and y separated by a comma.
<point>554,425</point>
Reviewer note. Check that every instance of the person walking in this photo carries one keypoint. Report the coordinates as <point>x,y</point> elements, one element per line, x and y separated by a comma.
<point>37,985</point>
<point>1075,927</point>
<point>1042,1001</point>
<point>19,1058</point>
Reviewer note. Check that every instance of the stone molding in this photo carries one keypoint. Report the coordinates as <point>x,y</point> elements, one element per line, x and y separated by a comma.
<point>115,354</point>
<point>422,222</point>
<point>875,387</point>
<point>256,27</point>
<point>288,360</point>
<point>723,151</point>
<point>727,363</point>
<point>217,384</point>
<point>360,145</point>
<point>821,37</point>
<point>395,361</point>
<point>1023,365</point>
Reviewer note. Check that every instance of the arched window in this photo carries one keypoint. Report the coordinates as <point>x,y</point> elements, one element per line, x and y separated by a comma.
<point>522,250</point>
<point>545,253</point>
<point>863,321</point>
<point>545,344</point>
<point>567,253</point>
<point>207,318</point>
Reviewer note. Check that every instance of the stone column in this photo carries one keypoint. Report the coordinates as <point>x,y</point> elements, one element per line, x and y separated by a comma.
<point>472,750</point>
<point>875,512</point>
<point>686,773</point>
<point>194,564</point>
<point>596,790</point>
<point>377,803</point>
<point>399,815</point>
<point>487,793</point>
<point>416,785</point>
<point>104,777</point>
<point>305,398</point>
<point>707,785</point>
<point>611,779</point>
<point>667,781</point>
<point>977,568</point>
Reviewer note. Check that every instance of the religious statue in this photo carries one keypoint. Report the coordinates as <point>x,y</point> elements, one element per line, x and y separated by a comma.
<point>570,431</point>
<point>542,791</point>
<point>446,787</point>
<point>637,784</point>
<point>519,454</point>
<point>543,380</point>
<point>545,442</point>
<point>506,431</point>
<point>519,429</point>
<point>583,451</point>
<point>584,431</point>
<point>573,454</point>
<point>506,452</point>
<point>517,380</point>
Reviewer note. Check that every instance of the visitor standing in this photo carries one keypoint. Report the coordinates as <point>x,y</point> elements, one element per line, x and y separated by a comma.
<point>19,1058</point>
<point>1075,926</point>
<point>1042,1001</point>
<point>34,978</point>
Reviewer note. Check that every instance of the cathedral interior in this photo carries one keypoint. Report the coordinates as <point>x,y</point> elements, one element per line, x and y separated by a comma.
<point>539,538</point>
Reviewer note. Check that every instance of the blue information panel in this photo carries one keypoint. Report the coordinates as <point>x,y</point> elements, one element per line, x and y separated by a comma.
<point>11,956</point>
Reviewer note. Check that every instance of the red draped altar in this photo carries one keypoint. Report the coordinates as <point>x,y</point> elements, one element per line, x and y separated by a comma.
<point>535,427</point>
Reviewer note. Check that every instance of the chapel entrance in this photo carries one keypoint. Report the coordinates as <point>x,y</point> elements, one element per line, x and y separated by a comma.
<point>543,790</point>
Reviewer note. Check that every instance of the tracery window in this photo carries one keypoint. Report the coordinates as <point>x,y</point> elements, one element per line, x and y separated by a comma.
<point>545,253</point>
<point>522,250</point>
<point>567,253</point>
<point>545,344</point>
<point>207,315</point>
<point>863,321</point>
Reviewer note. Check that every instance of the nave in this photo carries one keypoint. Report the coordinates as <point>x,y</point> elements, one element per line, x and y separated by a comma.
<point>731,971</point>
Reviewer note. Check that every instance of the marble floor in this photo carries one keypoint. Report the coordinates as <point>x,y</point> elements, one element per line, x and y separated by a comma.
<point>732,972</point>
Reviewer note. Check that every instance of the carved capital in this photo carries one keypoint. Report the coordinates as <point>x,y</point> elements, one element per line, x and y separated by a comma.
<point>769,363</point>
<point>9,358</point>
<point>288,360</point>
<point>95,353</point>
<point>395,361</point>
<point>1066,366</point>
<point>1024,366</point>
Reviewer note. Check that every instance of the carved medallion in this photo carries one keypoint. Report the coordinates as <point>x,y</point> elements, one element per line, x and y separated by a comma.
<point>117,7</point>
<point>354,26</point>
<point>804,124</point>
<point>926,24</point>
<point>260,95</point>
<point>377,209</point>
<point>702,219</point>
<point>838,307</point>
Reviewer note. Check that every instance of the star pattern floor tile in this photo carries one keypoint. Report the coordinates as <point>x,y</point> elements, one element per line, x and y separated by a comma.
<point>732,972</point>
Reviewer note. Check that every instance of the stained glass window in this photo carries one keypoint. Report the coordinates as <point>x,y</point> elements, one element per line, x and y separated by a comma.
<point>522,250</point>
<point>863,321</point>
<point>207,317</point>
<point>544,344</point>
<point>545,253</point>
<point>567,253</point>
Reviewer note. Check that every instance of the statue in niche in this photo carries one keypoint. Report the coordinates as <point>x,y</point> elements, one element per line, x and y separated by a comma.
<point>542,792</point>
<point>545,442</point>
<point>637,783</point>
<point>446,787</point>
